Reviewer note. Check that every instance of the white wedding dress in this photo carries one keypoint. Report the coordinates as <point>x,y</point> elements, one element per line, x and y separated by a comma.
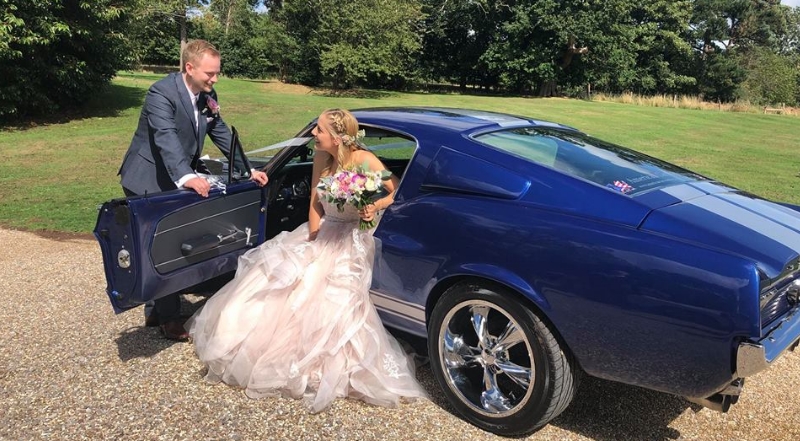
<point>297,321</point>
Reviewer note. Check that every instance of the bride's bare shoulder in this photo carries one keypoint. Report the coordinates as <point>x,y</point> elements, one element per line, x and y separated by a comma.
<point>366,156</point>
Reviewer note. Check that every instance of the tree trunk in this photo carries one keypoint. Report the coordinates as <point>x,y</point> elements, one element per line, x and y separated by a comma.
<point>229,16</point>
<point>548,88</point>
<point>182,21</point>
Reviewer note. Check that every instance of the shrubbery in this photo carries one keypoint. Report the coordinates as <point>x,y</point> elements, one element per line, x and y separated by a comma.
<point>54,54</point>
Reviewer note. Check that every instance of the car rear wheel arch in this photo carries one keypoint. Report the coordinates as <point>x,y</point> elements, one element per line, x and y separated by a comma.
<point>438,291</point>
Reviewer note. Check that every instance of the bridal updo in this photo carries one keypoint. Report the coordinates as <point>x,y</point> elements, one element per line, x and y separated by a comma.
<point>344,127</point>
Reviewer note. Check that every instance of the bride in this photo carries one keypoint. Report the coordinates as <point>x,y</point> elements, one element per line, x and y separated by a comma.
<point>297,319</point>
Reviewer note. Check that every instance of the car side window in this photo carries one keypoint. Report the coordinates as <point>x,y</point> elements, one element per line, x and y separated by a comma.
<point>393,149</point>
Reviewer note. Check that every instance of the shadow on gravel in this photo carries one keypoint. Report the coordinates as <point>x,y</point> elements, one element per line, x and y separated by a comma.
<point>602,410</point>
<point>141,342</point>
<point>609,411</point>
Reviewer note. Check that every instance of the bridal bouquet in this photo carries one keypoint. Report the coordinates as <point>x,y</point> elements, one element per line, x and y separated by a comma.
<point>358,187</point>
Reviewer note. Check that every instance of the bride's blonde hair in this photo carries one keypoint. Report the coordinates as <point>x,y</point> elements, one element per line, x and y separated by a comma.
<point>344,126</point>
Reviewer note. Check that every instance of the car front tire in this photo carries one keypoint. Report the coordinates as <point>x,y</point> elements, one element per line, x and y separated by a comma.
<point>499,365</point>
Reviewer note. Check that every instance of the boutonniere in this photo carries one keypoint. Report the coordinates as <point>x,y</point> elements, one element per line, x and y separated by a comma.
<point>212,107</point>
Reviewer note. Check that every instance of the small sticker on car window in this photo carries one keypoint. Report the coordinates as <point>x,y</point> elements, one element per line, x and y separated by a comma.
<point>620,186</point>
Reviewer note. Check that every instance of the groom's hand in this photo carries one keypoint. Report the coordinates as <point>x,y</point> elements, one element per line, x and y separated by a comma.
<point>198,184</point>
<point>260,177</point>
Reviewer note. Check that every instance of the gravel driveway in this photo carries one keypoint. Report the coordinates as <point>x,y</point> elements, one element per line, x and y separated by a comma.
<point>70,369</point>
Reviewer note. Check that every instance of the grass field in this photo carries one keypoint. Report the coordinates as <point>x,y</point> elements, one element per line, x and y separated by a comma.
<point>53,175</point>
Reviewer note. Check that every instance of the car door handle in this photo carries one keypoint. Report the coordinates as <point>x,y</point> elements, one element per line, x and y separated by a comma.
<point>209,241</point>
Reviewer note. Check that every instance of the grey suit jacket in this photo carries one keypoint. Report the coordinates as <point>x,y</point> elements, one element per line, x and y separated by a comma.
<point>166,145</point>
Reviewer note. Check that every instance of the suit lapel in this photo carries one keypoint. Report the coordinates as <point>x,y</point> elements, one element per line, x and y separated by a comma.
<point>183,93</point>
<point>186,100</point>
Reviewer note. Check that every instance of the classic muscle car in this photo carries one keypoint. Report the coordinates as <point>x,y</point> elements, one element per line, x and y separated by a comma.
<point>527,253</point>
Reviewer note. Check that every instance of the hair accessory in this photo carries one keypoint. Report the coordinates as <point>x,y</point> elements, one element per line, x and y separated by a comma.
<point>347,139</point>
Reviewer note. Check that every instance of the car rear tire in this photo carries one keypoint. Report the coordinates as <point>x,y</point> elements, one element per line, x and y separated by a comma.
<point>498,363</point>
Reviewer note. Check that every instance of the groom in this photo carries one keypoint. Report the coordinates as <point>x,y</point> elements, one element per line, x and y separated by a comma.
<point>178,112</point>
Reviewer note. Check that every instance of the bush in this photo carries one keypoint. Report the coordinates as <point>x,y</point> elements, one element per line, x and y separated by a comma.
<point>55,54</point>
<point>771,78</point>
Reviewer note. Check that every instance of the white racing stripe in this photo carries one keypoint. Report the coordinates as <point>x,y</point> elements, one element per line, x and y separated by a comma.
<point>746,218</point>
<point>684,192</point>
<point>777,213</point>
<point>406,310</point>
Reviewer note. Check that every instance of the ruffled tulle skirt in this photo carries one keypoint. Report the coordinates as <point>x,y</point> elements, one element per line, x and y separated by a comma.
<point>297,321</point>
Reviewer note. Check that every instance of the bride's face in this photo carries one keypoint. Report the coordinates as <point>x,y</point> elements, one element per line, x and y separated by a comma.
<point>324,139</point>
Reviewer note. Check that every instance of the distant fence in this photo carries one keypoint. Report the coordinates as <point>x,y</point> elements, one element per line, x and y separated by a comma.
<point>159,69</point>
<point>779,110</point>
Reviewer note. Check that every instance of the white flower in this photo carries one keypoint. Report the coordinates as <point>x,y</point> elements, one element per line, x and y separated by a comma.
<point>371,185</point>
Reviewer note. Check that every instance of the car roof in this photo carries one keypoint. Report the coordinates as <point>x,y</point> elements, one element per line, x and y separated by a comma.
<point>419,120</point>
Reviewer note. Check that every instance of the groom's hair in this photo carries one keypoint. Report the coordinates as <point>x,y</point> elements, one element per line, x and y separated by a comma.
<point>194,51</point>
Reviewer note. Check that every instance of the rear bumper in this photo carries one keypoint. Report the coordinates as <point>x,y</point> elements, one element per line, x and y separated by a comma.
<point>754,357</point>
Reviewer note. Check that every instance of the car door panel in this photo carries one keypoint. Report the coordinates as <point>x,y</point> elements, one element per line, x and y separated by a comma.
<point>157,245</point>
<point>206,230</point>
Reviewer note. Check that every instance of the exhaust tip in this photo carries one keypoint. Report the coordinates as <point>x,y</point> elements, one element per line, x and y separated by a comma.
<point>717,402</point>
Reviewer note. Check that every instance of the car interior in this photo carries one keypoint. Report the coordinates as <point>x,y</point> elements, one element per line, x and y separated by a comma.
<point>290,183</point>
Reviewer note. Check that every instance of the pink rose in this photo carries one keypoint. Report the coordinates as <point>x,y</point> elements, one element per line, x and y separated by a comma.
<point>212,105</point>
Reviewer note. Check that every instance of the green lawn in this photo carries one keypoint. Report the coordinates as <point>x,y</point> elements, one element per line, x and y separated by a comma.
<point>54,175</point>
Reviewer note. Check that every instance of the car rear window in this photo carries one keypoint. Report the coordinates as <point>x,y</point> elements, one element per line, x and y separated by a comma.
<point>580,155</point>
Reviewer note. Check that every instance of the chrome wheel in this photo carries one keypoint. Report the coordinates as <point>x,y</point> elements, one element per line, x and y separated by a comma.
<point>498,363</point>
<point>487,358</point>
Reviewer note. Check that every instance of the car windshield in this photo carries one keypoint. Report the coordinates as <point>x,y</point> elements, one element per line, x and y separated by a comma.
<point>580,155</point>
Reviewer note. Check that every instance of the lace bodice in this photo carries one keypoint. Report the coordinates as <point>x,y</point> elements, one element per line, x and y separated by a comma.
<point>348,214</point>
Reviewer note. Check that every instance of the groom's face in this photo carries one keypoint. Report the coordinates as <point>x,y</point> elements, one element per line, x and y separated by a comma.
<point>202,74</point>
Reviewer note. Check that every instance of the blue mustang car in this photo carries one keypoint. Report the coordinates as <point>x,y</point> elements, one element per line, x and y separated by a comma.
<point>526,252</point>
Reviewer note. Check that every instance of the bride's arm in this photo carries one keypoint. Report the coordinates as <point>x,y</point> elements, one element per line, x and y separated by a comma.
<point>315,210</point>
<point>390,185</point>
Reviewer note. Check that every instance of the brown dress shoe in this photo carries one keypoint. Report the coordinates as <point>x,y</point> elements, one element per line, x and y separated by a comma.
<point>174,330</point>
<point>151,321</point>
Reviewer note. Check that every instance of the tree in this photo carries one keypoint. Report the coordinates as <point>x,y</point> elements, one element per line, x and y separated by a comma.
<point>456,36</point>
<point>729,35</point>
<point>770,78</point>
<point>615,45</point>
<point>155,41</point>
<point>790,40</point>
<point>232,12</point>
<point>367,42</point>
<point>720,76</point>
<point>54,54</point>
<point>173,10</point>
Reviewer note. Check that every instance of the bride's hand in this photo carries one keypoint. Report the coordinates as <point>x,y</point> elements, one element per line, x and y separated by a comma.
<point>368,212</point>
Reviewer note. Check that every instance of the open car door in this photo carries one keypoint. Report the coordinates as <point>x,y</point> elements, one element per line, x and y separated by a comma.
<point>159,244</point>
